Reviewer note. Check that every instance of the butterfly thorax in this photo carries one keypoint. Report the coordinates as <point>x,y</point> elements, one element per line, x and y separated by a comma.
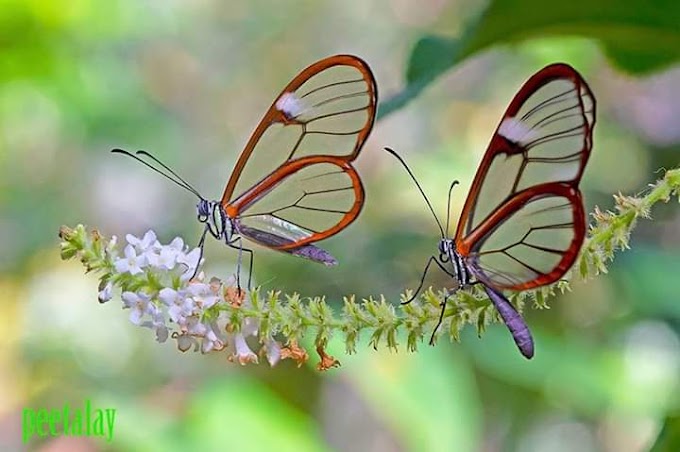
<point>449,255</point>
<point>215,219</point>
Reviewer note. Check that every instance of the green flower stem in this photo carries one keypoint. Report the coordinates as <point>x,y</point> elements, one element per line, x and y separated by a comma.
<point>292,317</point>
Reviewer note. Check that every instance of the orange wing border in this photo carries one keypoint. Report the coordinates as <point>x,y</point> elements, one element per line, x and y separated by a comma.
<point>273,115</point>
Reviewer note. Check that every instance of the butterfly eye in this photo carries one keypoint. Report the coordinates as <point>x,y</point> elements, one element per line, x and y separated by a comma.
<point>203,210</point>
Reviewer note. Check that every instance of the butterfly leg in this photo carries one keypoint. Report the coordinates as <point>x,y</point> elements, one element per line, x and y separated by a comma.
<point>201,245</point>
<point>422,278</point>
<point>250,265</point>
<point>441,314</point>
<point>241,250</point>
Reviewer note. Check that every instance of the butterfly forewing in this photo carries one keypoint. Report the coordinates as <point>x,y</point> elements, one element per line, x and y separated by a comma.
<point>544,136</point>
<point>328,109</point>
<point>523,221</point>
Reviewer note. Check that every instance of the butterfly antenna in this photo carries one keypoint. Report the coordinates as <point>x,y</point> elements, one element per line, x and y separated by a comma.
<point>172,176</point>
<point>415,181</point>
<point>448,207</point>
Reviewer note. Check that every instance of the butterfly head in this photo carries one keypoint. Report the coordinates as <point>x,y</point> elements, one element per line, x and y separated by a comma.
<point>216,221</point>
<point>446,249</point>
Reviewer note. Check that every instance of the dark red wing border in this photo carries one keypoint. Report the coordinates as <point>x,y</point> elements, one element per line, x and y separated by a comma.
<point>467,245</point>
<point>501,145</point>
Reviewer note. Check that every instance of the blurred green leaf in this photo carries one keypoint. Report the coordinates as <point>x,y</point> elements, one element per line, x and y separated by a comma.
<point>657,297</point>
<point>639,36</point>
<point>669,437</point>
<point>430,398</point>
<point>242,414</point>
<point>159,432</point>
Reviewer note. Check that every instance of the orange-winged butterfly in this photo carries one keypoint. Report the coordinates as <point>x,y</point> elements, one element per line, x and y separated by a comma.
<point>294,183</point>
<point>523,222</point>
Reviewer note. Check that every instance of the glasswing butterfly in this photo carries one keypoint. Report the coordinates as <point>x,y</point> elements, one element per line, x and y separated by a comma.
<point>294,183</point>
<point>523,222</point>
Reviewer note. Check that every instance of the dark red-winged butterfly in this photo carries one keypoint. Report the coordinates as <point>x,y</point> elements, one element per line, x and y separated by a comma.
<point>294,183</point>
<point>523,222</point>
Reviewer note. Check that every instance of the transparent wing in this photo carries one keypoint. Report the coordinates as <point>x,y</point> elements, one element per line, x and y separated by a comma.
<point>327,109</point>
<point>276,240</point>
<point>531,241</point>
<point>306,200</point>
<point>545,136</point>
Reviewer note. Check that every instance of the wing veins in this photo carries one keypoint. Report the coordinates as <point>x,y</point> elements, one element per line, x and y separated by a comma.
<point>546,103</point>
<point>341,97</point>
<point>563,159</point>
<point>273,214</point>
<point>556,136</point>
<point>315,209</point>
<point>523,264</point>
<point>551,208</point>
<point>495,272</point>
<point>297,144</point>
<point>340,134</point>
<point>521,242</point>
<point>544,248</point>
<point>330,85</point>
<point>339,113</point>
<point>551,117</point>
<point>330,190</point>
<point>324,174</point>
<point>555,226</point>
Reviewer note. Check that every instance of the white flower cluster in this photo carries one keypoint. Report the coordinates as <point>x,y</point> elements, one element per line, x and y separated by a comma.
<point>176,304</point>
<point>148,252</point>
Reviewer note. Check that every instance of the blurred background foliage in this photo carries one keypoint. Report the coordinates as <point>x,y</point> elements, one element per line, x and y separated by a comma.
<point>188,81</point>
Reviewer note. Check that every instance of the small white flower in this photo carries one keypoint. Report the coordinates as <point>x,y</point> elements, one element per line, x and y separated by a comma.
<point>157,323</point>
<point>180,305</point>
<point>192,325</point>
<point>164,259</point>
<point>111,246</point>
<point>131,263</point>
<point>149,241</point>
<point>140,304</point>
<point>185,341</point>
<point>168,296</point>
<point>177,245</point>
<point>273,351</point>
<point>105,292</point>
<point>191,260</point>
<point>243,354</point>
<point>204,294</point>
<point>250,326</point>
<point>211,342</point>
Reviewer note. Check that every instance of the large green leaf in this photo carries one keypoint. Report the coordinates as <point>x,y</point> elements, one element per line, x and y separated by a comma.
<point>639,36</point>
<point>669,437</point>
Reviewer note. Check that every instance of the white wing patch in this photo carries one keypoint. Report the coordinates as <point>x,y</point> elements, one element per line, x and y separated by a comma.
<point>290,105</point>
<point>517,131</point>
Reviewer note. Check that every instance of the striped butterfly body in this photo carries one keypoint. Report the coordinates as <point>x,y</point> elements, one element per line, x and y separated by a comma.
<point>523,222</point>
